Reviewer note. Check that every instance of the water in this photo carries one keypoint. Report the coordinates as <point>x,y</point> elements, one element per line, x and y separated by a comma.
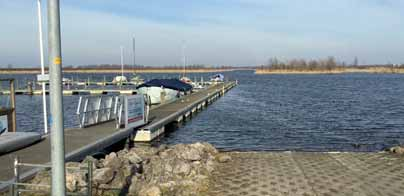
<point>347,112</point>
<point>350,112</point>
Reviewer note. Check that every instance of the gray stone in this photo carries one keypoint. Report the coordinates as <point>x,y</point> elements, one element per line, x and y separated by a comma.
<point>75,181</point>
<point>223,158</point>
<point>112,161</point>
<point>397,150</point>
<point>103,175</point>
<point>191,154</point>
<point>182,168</point>
<point>133,157</point>
<point>135,185</point>
<point>151,191</point>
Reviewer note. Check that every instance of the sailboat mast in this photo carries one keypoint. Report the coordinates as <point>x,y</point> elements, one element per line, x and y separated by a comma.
<point>122,62</point>
<point>184,59</point>
<point>134,52</point>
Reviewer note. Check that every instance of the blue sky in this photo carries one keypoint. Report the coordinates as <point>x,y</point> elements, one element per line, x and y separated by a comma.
<point>221,32</point>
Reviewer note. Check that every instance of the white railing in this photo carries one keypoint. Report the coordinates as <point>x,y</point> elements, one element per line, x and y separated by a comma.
<point>93,110</point>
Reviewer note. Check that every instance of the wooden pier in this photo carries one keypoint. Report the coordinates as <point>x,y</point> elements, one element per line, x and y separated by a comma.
<point>86,141</point>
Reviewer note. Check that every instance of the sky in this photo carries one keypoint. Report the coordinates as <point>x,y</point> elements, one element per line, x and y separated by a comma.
<point>214,32</point>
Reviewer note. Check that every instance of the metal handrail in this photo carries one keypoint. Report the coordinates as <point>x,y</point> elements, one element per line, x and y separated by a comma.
<point>15,190</point>
<point>92,110</point>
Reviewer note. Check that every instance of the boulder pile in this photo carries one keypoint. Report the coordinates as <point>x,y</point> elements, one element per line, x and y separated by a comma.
<point>182,169</point>
<point>397,150</point>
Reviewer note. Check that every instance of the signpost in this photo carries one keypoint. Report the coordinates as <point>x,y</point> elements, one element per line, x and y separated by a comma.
<point>135,111</point>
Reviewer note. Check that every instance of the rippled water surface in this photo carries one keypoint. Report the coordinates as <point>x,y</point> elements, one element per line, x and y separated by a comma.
<point>347,112</point>
<point>350,112</point>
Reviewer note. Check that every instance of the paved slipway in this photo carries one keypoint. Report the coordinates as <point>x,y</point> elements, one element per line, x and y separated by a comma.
<point>306,174</point>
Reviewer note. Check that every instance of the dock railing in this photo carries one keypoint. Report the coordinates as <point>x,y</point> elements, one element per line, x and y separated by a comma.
<point>17,186</point>
<point>92,110</point>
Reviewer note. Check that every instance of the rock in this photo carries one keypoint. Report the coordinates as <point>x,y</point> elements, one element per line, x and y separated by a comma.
<point>210,165</point>
<point>182,168</point>
<point>191,154</point>
<point>133,157</point>
<point>144,152</point>
<point>152,191</point>
<point>162,148</point>
<point>96,163</point>
<point>397,150</point>
<point>112,161</point>
<point>135,185</point>
<point>168,168</point>
<point>103,175</point>
<point>206,147</point>
<point>75,181</point>
<point>168,186</point>
<point>223,158</point>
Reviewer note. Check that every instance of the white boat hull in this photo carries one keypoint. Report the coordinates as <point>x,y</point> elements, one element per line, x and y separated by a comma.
<point>155,94</point>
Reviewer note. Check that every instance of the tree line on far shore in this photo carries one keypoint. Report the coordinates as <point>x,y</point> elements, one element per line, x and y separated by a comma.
<point>325,64</point>
<point>329,63</point>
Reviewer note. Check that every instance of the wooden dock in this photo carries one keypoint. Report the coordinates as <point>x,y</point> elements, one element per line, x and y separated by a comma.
<point>87,141</point>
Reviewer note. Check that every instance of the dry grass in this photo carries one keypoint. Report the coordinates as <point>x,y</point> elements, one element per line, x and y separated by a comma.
<point>333,71</point>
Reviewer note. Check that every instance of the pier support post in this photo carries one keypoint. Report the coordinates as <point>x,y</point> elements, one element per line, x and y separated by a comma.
<point>12,105</point>
<point>56,100</point>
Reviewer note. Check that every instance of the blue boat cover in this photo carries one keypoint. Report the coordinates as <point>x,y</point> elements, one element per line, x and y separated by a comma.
<point>174,84</point>
<point>219,77</point>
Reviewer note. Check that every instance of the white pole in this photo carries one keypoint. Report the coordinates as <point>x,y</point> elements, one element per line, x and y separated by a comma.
<point>41,51</point>
<point>184,58</point>
<point>121,63</point>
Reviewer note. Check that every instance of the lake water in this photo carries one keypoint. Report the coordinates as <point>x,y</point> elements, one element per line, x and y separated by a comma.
<point>346,112</point>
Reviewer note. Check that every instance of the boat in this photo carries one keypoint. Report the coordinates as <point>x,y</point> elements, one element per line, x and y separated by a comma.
<point>217,78</point>
<point>136,79</point>
<point>119,80</point>
<point>186,80</point>
<point>164,90</point>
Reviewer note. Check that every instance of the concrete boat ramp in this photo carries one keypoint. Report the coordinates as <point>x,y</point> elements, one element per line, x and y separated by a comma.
<point>81,142</point>
<point>309,174</point>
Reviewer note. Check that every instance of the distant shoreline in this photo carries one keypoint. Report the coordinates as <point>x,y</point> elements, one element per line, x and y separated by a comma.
<point>373,70</point>
<point>101,70</point>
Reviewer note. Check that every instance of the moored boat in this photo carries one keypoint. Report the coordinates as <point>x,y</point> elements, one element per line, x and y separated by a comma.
<point>164,90</point>
<point>217,78</point>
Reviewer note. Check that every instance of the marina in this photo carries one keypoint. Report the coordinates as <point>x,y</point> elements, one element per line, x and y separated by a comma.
<point>87,141</point>
<point>317,111</point>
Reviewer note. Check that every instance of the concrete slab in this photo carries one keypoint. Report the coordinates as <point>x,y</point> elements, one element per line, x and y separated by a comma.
<point>306,174</point>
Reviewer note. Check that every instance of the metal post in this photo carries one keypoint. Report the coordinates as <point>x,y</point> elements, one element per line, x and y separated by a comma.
<point>90,178</point>
<point>12,104</point>
<point>41,51</point>
<point>56,98</point>
<point>15,191</point>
